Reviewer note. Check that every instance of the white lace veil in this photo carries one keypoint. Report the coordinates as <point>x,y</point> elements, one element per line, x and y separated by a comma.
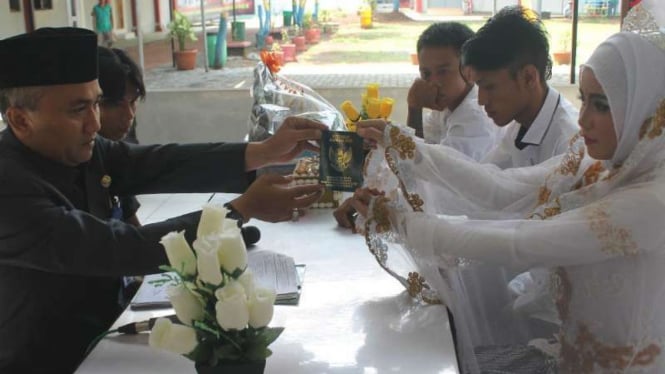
<point>424,178</point>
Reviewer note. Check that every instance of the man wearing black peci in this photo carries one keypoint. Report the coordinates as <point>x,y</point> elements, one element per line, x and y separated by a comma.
<point>61,253</point>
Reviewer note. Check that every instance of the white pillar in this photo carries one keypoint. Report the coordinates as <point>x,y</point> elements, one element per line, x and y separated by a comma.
<point>205,37</point>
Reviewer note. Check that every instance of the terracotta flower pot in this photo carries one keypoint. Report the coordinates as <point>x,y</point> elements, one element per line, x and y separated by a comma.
<point>562,58</point>
<point>289,52</point>
<point>312,35</point>
<point>185,60</point>
<point>299,41</point>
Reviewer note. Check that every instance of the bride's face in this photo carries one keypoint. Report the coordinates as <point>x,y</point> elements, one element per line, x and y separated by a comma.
<point>595,118</point>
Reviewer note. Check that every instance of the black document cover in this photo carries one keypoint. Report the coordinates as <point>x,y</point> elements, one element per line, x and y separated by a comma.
<point>341,160</point>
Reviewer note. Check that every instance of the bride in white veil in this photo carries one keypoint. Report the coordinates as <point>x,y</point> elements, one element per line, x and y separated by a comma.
<point>597,225</point>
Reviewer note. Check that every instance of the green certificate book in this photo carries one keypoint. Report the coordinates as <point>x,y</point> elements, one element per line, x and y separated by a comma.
<point>341,160</point>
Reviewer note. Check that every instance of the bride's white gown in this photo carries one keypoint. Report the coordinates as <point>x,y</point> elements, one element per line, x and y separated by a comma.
<point>597,227</point>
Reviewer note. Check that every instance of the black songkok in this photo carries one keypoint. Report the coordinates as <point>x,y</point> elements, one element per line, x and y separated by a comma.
<point>47,57</point>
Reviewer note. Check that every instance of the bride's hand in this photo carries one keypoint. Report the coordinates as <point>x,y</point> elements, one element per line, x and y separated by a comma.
<point>372,130</point>
<point>361,199</point>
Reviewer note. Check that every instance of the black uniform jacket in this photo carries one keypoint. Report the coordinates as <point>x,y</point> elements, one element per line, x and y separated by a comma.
<point>61,255</point>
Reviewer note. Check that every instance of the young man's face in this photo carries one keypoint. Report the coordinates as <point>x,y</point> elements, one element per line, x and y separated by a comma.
<point>440,65</point>
<point>504,97</point>
<point>65,123</point>
<point>117,116</point>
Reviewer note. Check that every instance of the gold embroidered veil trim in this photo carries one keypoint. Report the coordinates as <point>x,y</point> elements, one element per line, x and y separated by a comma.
<point>415,284</point>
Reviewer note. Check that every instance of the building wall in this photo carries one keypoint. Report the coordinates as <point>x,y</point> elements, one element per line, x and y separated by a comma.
<point>11,23</point>
<point>56,17</point>
<point>552,6</point>
<point>147,10</point>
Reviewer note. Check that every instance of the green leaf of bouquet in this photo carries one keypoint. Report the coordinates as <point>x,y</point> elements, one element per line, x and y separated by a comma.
<point>256,353</point>
<point>237,273</point>
<point>202,353</point>
<point>271,334</point>
<point>227,352</point>
<point>204,327</point>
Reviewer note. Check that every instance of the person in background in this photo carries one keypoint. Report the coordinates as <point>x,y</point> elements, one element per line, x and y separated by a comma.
<point>122,86</point>
<point>453,116</point>
<point>121,81</point>
<point>61,252</point>
<point>102,18</point>
<point>455,119</point>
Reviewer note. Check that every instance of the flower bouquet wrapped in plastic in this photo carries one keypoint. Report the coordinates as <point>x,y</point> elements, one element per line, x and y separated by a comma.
<point>277,97</point>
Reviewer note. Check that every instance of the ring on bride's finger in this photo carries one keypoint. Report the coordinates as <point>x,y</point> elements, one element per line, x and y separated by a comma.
<point>295,214</point>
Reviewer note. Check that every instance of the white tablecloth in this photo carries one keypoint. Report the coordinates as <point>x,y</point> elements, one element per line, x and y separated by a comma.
<point>352,316</point>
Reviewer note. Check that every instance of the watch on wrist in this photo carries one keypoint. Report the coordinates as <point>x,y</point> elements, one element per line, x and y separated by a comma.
<point>234,214</point>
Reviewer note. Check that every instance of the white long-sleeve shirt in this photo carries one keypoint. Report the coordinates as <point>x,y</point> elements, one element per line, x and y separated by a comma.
<point>467,129</point>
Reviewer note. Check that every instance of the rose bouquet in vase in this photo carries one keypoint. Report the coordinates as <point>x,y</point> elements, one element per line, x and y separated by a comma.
<point>223,315</point>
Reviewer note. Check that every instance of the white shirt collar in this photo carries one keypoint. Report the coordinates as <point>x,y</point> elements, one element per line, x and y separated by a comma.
<point>536,132</point>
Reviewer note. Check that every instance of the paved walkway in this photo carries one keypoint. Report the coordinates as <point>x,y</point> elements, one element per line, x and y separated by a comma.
<point>321,76</point>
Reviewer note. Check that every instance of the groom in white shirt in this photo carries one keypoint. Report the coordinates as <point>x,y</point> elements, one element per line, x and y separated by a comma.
<point>511,65</point>
<point>455,118</point>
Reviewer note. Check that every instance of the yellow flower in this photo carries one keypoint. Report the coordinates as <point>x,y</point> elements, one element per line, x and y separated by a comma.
<point>350,111</point>
<point>373,90</point>
<point>373,108</point>
<point>386,107</point>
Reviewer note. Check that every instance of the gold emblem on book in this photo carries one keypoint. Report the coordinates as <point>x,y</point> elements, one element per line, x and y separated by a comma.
<point>340,157</point>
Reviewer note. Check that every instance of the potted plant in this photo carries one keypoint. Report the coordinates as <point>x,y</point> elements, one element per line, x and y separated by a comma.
<point>312,31</point>
<point>223,316</point>
<point>287,47</point>
<point>180,29</point>
<point>299,39</point>
<point>328,26</point>
<point>563,55</point>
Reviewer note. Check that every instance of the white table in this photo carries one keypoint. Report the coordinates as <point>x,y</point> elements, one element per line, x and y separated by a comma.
<point>352,316</point>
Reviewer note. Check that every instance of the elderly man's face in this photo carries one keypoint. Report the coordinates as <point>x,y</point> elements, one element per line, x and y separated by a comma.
<point>64,125</point>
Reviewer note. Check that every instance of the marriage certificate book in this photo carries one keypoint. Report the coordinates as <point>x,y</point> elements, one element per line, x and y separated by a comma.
<point>341,160</point>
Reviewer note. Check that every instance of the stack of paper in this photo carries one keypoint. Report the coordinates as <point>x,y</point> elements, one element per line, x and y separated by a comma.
<point>278,272</point>
<point>270,270</point>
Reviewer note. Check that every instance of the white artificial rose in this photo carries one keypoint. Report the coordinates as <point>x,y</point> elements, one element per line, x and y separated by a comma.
<point>247,281</point>
<point>179,253</point>
<point>188,307</point>
<point>229,224</point>
<point>232,251</point>
<point>231,307</point>
<point>261,307</point>
<point>230,290</point>
<point>172,337</point>
<point>212,220</point>
<point>207,260</point>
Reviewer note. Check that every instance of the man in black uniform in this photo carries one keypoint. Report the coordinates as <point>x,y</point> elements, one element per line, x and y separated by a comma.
<point>61,255</point>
